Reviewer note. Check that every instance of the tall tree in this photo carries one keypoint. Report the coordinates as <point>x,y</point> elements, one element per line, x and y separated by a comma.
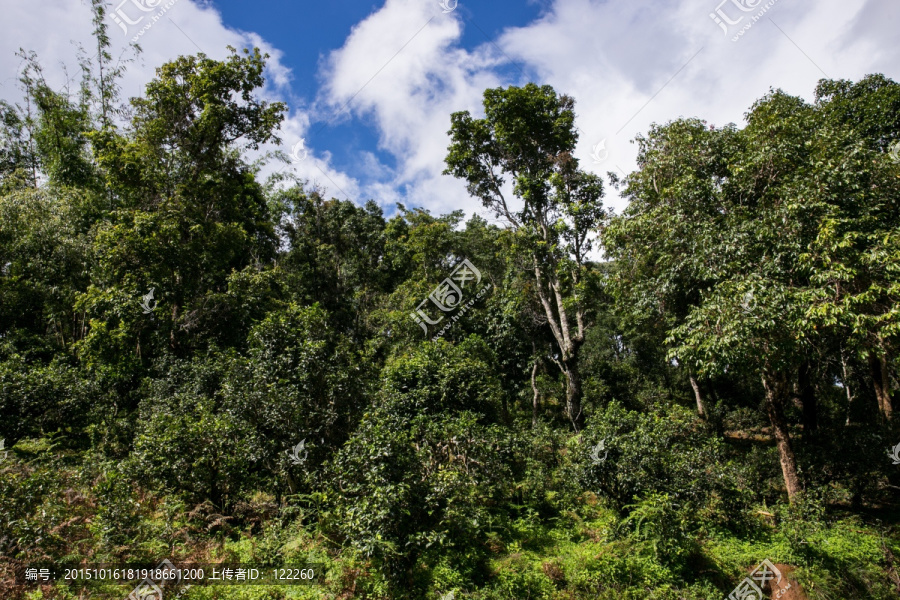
<point>190,210</point>
<point>718,205</point>
<point>661,247</point>
<point>855,184</point>
<point>528,135</point>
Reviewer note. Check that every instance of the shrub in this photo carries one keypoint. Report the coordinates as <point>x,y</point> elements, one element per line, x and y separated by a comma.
<point>187,443</point>
<point>416,483</point>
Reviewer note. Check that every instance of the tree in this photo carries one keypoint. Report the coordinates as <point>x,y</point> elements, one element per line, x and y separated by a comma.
<point>417,481</point>
<point>300,380</point>
<point>186,442</point>
<point>719,207</point>
<point>528,134</point>
<point>661,246</point>
<point>188,210</point>
<point>18,160</point>
<point>855,184</point>
<point>335,254</point>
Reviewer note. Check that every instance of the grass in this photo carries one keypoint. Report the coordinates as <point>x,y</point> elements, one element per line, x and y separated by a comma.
<point>64,511</point>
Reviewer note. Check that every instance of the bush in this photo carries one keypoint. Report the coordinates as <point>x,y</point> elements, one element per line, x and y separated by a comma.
<point>416,483</point>
<point>667,475</point>
<point>300,381</point>
<point>649,453</point>
<point>520,581</point>
<point>117,520</point>
<point>187,443</point>
<point>38,399</point>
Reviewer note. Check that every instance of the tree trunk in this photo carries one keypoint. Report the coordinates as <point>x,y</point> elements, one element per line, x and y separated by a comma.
<point>292,483</point>
<point>776,392</point>
<point>701,410</point>
<point>555,308</point>
<point>845,372</point>
<point>215,494</point>
<point>535,402</point>
<point>881,381</point>
<point>573,394</point>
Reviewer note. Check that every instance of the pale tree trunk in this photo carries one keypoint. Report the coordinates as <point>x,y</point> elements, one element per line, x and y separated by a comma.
<point>701,410</point>
<point>846,381</point>
<point>568,342</point>
<point>535,401</point>
<point>776,392</point>
<point>573,394</point>
<point>881,381</point>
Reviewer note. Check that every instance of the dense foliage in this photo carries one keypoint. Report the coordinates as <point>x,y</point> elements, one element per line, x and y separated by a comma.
<point>199,365</point>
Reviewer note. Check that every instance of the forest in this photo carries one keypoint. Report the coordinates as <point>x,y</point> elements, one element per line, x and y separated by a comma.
<point>688,399</point>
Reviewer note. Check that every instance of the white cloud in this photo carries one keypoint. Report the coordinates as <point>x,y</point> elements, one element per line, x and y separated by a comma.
<point>402,72</point>
<point>54,29</point>
<point>614,58</point>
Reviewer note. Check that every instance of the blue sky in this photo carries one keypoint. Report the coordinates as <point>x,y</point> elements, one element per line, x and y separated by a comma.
<point>401,67</point>
<point>307,32</point>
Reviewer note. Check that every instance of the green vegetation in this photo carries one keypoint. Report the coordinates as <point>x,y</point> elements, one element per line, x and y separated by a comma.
<point>717,393</point>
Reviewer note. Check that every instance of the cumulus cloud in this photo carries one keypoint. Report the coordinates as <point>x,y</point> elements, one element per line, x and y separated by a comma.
<point>54,29</point>
<point>403,70</point>
<point>628,65</point>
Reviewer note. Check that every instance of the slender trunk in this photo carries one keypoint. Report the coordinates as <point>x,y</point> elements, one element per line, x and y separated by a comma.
<point>173,343</point>
<point>846,381</point>
<point>215,494</point>
<point>775,396</point>
<point>712,394</point>
<point>701,410</point>
<point>881,381</point>
<point>808,400</point>
<point>535,402</point>
<point>568,344</point>
<point>573,394</point>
